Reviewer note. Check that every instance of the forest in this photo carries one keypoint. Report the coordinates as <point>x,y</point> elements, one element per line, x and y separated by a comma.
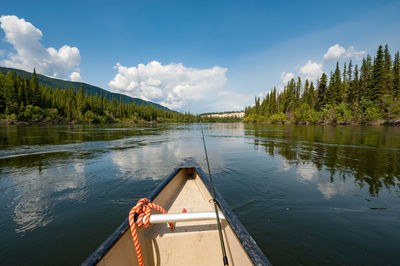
<point>25,100</point>
<point>366,94</point>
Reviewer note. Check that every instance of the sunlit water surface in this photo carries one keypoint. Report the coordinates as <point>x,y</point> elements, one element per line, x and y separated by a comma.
<point>307,194</point>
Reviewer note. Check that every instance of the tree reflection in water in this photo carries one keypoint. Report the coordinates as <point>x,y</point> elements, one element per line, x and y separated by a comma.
<point>369,155</point>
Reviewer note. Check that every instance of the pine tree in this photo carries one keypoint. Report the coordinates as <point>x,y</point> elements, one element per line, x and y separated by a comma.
<point>378,77</point>
<point>356,91</point>
<point>335,92</point>
<point>2,99</point>
<point>396,75</point>
<point>322,90</point>
<point>273,102</point>
<point>350,71</point>
<point>366,77</point>
<point>311,96</point>
<point>298,91</point>
<point>257,105</point>
<point>388,77</point>
<point>36,94</point>
<point>338,86</point>
<point>81,101</point>
<point>21,92</point>
<point>10,93</point>
<point>306,91</point>
<point>344,86</point>
<point>28,92</point>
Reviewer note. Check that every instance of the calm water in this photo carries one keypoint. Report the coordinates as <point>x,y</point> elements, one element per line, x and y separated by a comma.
<point>307,194</point>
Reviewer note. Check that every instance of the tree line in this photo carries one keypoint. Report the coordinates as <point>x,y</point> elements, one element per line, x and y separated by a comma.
<point>24,99</point>
<point>361,94</point>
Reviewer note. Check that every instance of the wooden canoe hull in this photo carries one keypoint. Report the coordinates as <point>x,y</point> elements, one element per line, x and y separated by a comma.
<point>191,243</point>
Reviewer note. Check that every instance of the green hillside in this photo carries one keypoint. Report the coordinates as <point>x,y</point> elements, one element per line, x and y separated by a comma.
<point>90,89</point>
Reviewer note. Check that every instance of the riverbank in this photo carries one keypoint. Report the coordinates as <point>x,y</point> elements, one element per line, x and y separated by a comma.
<point>13,121</point>
<point>379,122</point>
<point>65,122</point>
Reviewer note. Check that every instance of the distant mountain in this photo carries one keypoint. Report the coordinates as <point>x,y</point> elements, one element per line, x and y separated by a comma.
<point>90,89</point>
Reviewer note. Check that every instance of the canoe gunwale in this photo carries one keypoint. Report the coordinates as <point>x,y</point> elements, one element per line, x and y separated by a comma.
<point>248,243</point>
<point>117,234</point>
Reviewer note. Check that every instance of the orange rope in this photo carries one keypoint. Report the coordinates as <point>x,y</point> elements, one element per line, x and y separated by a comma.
<point>143,208</point>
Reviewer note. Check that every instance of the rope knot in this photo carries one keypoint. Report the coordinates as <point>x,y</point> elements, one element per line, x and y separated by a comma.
<point>140,214</point>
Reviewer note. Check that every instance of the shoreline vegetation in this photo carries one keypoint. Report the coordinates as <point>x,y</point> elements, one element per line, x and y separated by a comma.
<point>25,101</point>
<point>366,95</point>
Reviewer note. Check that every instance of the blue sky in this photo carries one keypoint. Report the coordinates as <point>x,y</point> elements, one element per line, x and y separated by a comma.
<point>196,56</point>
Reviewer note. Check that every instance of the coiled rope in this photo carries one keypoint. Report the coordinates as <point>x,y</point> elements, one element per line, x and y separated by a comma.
<point>142,211</point>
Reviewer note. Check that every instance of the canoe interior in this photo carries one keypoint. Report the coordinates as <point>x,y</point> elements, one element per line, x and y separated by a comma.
<point>191,243</point>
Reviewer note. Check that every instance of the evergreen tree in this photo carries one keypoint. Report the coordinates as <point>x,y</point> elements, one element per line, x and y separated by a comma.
<point>28,92</point>
<point>10,93</point>
<point>378,77</point>
<point>345,86</point>
<point>306,91</point>
<point>298,91</point>
<point>396,75</point>
<point>338,86</point>
<point>322,91</point>
<point>355,88</point>
<point>257,104</point>
<point>273,102</point>
<point>388,77</point>
<point>36,94</point>
<point>335,92</point>
<point>81,100</point>
<point>366,77</point>
<point>311,96</point>
<point>2,99</point>
<point>350,71</point>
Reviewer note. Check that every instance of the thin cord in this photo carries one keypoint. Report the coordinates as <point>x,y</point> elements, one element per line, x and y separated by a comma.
<point>221,238</point>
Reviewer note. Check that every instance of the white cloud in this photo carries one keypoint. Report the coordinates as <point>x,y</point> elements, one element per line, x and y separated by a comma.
<point>352,52</point>
<point>311,70</point>
<point>172,85</point>
<point>75,76</point>
<point>336,52</point>
<point>1,52</point>
<point>286,77</point>
<point>30,53</point>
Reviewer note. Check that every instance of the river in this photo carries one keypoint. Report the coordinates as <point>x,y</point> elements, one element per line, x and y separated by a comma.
<point>310,195</point>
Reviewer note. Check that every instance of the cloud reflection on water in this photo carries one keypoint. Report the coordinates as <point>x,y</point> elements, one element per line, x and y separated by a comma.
<point>41,189</point>
<point>308,173</point>
<point>156,161</point>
